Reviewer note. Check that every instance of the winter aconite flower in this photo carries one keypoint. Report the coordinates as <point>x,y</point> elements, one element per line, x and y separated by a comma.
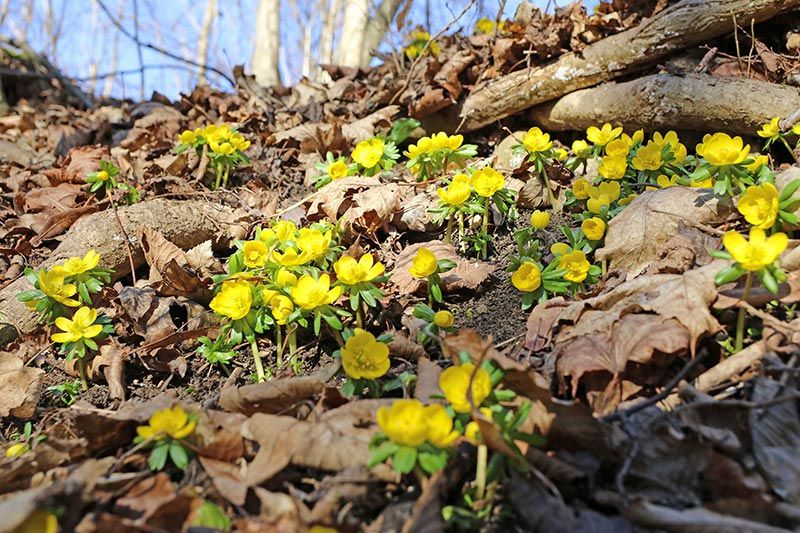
<point>527,278</point>
<point>337,170</point>
<point>404,422</point>
<point>282,306</point>
<point>234,299</point>
<point>600,197</point>
<point>580,188</point>
<point>540,219</point>
<point>602,136</point>
<point>254,253</point>
<point>618,148</point>
<point>457,192</point>
<point>613,167</point>
<point>576,265</point>
<point>455,383</point>
<point>770,130</point>
<point>440,426</point>
<point>78,265</point>
<point>535,140</point>
<point>51,283</point>
<point>351,272</point>
<point>444,319</point>
<point>594,228</point>
<point>82,326</point>
<point>665,181</point>
<point>17,450</point>
<point>283,278</point>
<point>38,522</point>
<point>173,423</point>
<point>313,242</point>
<point>648,157</point>
<point>758,162</point>
<point>721,150</point>
<point>368,153</point>
<point>581,148</point>
<point>487,181</point>
<point>671,139</point>
<point>759,252</point>
<point>424,264</point>
<point>310,293</point>
<point>364,357</point>
<point>760,205</point>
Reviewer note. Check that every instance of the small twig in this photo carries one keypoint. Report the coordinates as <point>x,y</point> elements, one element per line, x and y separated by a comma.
<point>787,123</point>
<point>127,242</point>
<point>706,61</point>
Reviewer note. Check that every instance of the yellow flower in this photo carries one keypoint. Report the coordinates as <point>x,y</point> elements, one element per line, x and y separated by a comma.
<point>78,265</point>
<point>602,196</point>
<point>665,182</point>
<point>760,205</point>
<point>602,136</point>
<point>404,422</point>
<point>721,150</point>
<point>187,137</point>
<point>487,181</point>
<point>284,230</point>
<point>527,277</point>
<point>310,293</point>
<point>758,162</point>
<point>368,153</point>
<point>365,357</point>
<point>560,248</point>
<point>576,265</point>
<point>457,192</point>
<point>618,148</point>
<point>81,326</point>
<point>234,299</point>
<point>51,283</point>
<point>580,188</point>
<point>671,139</point>
<point>648,157</point>
<point>455,381</point>
<point>581,148</point>
<point>424,264</point>
<point>613,167</point>
<point>337,170</point>
<point>442,141</point>
<point>628,199</point>
<point>703,184</point>
<point>38,522</point>
<point>18,449</point>
<point>284,278</point>
<point>351,272</point>
<point>540,219</point>
<point>759,252</point>
<point>535,140</point>
<point>313,242</point>
<point>440,426</point>
<point>282,307</point>
<point>594,228</point>
<point>444,319</point>
<point>638,137</point>
<point>472,432</point>
<point>102,175</point>
<point>770,130</point>
<point>254,253</point>
<point>796,129</point>
<point>291,257</point>
<point>484,26</point>
<point>173,423</point>
<point>560,154</point>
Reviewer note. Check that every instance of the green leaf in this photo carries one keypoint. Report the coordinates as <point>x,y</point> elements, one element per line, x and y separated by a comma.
<point>728,275</point>
<point>178,455</point>
<point>333,321</point>
<point>211,516</point>
<point>158,457</point>
<point>401,129</point>
<point>368,298</point>
<point>317,323</point>
<point>436,292</point>
<point>404,459</point>
<point>790,189</point>
<point>382,452</point>
<point>348,388</point>
<point>432,462</point>
<point>768,281</point>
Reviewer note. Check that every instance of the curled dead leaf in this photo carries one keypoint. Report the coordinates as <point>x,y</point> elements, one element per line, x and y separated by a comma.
<point>466,274</point>
<point>20,387</point>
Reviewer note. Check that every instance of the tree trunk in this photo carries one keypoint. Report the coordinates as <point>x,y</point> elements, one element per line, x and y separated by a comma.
<point>377,28</point>
<point>685,24</point>
<point>328,29</point>
<point>202,42</point>
<point>351,45</point>
<point>695,102</point>
<point>265,54</point>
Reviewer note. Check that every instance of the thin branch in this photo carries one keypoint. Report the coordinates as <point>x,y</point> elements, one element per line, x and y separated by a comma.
<point>160,50</point>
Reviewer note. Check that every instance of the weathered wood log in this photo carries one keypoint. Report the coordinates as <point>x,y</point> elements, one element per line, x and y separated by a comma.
<point>685,24</point>
<point>184,223</point>
<point>696,102</point>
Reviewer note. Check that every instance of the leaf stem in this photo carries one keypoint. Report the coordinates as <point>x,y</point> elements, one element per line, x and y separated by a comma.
<point>485,227</point>
<point>257,359</point>
<point>748,284</point>
<point>480,472</point>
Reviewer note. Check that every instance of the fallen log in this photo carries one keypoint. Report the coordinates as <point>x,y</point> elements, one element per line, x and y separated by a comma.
<point>685,24</point>
<point>184,223</point>
<point>696,102</point>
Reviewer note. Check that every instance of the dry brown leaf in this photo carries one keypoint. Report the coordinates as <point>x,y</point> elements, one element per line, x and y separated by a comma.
<point>354,132</point>
<point>111,361</point>
<point>637,236</point>
<point>427,385</point>
<point>362,202</point>
<point>466,275</point>
<point>78,163</point>
<point>20,387</point>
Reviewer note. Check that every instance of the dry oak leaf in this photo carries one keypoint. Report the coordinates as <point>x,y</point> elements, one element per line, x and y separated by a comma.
<point>637,235</point>
<point>20,387</point>
<point>354,132</point>
<point>79,162</point>
<point>466,274</point>
<point>337,440</point>
<point>358,201</point>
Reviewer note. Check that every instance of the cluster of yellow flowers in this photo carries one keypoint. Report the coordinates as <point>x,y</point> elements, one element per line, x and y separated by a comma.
<point>226,145</point>
<point>438,153</point>
<point>486,26</point>
<point>165,433</point>
<point>420,43</point>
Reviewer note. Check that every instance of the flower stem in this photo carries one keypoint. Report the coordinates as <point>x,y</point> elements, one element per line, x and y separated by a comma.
<point>786,144</point>
<point>360,314</point>
<point>448,233</point>
<point>292,341</point>
<point>82,373</point>
<point>480,472</point>
<point>279,346</point>
<point>485,226</point>
<point>550,195</point>
<point>225,175</point>
<point>257,359</point>
<point>218,170</point>
<point>337,336</point>
<point>748,284</point>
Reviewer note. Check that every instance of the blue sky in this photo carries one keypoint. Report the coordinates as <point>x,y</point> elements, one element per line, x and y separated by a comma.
<point>86,39</point>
